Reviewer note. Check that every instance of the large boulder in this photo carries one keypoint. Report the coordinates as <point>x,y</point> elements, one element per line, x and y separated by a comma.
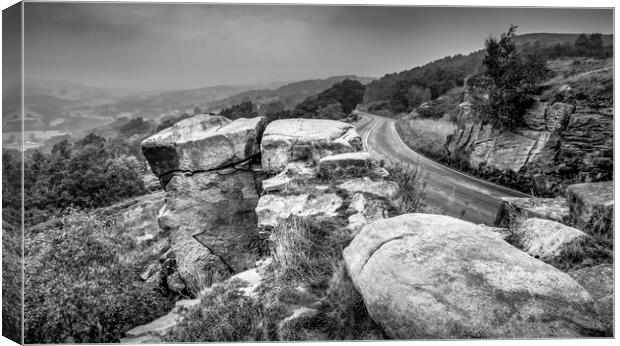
<point>514,210</point>
<point>593,204</point>
<point>433,276</point>
<point>292,140</point>
<point>203,142</point>
<point>545,239</point>
<point>599,282</point>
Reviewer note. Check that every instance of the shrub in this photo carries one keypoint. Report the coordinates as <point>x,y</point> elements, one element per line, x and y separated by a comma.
<point>92,173</point>
<point>225,314</point>
<point>79,287</point>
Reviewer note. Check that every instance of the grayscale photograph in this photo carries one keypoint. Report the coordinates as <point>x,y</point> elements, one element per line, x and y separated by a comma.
<point>213,172</point>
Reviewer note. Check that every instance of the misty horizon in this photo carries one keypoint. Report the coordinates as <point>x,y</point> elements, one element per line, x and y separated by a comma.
<point>165,47</point>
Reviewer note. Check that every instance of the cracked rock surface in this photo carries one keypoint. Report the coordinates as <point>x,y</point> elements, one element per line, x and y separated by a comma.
<point>309,140</point>
<point>426,276</point>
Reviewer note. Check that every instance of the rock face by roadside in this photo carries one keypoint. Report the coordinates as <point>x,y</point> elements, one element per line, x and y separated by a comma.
<point>513,210</point>
<point>203,142</point>
<point>557,144</point>
<point>427,276</point>
<point>211,193</point>
<point>545,239</point>
<point>593,204</point>
<point>309,140</point>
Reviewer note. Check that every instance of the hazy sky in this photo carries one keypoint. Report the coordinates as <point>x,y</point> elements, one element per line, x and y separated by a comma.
<point>171,46</point>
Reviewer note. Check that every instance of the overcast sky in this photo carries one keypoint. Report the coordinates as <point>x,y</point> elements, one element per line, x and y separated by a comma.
<point>179,46</point>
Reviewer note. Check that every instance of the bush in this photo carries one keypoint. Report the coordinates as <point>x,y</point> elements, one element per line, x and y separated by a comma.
<point>79,286</point>
<point>92,173</point>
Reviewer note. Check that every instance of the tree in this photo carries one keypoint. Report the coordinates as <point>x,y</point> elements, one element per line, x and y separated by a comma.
<point>245,109</point>
<point>513,78</point>
<point>581,41</point>
<point>348,94</point>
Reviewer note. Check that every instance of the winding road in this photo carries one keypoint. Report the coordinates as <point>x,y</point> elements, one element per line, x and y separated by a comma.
<point>455,193</point>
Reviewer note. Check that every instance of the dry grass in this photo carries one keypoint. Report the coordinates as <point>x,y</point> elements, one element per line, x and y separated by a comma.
<point>409,180</point>
<point>426,135</point>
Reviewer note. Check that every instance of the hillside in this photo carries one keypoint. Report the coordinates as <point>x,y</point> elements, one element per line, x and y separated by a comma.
<point>405,90</point>
<point>289,94</point>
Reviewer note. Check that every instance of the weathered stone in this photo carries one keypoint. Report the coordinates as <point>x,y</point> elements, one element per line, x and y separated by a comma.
<point>272,209</point>
<point>557,116</point>
<point>292,173</point>
<point>345,164</point>
<point>501,232</point>
<point>599,282</point>
<point>514,210</point>
<point>356,223</point>
<point>158,328</point>
<point>175,283</point>
<point>534,117</point>
<point>197,266</point>
<point>427,276</point>
<point>380,188</point>
<point>251,279</point>
<point>593,204</point>
<point>203,142</point>
<point>545,239</point>
<point>292,140</point>
<point>587,146</point>
<point>214,210</point>
<point>151,269</point>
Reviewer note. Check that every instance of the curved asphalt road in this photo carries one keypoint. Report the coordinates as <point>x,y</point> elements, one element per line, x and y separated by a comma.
<point>456,193</point>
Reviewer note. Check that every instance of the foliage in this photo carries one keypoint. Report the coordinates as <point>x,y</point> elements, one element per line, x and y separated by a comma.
<point>347,94</point>
<point>245,109</point>
<point>11,245</point>
<point>513,79</point>
<point>171,121</point>
<point>584,46</point>
<point>92,173</point>
<point>79,287</point>
<point>408,89</point>
<point>135,126</point>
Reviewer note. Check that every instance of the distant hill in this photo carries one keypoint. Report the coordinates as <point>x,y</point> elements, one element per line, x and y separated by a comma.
<point>548,39</point>
<point>290,94</point>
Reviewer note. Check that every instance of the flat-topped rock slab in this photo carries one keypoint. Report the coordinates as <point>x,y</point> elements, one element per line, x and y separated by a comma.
<point>203,142</point>
<point>291,140</point>
<point>514,210</point>
<point>545,239</point>
<point>345,164</point>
